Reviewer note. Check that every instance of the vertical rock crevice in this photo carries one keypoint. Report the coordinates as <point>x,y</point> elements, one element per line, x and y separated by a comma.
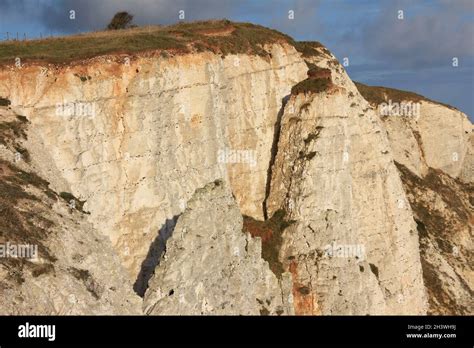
<point>273,154</point>
<point>327,157</point>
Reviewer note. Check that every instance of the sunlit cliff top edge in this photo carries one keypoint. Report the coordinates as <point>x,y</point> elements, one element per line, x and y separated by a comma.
<point>222,37</point>
<point>218,36</point>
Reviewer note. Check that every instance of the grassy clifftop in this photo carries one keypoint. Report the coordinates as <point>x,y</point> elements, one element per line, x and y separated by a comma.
<point>218,36</point>
<point>378,95</point>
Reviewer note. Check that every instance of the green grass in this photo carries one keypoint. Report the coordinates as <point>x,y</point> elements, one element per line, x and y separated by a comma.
<point>63,50</point>
<point>219,36</point>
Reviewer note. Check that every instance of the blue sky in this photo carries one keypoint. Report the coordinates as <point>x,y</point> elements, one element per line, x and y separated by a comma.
<point>414,53</point>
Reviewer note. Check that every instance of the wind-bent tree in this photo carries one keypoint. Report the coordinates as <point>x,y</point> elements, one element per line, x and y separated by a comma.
<point>121,20</point>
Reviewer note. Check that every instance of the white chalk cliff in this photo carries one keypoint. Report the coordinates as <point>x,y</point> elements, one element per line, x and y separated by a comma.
<point>173,149</point>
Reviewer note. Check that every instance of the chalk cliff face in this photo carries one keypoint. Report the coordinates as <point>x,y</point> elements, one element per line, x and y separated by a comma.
<point>354,243</point>
<point>211,267</point>
<point>431,136</point>
<point>442,207</point>
<point>52,260</point>
<point>140,141</point>
<point>433,152</point>
<point>162,128</point>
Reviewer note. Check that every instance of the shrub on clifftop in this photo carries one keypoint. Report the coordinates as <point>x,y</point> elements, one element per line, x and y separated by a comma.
<point>121,20</point>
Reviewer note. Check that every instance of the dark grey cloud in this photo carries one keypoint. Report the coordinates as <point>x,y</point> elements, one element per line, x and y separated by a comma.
<point>426,37</point>
<point>94,15</point>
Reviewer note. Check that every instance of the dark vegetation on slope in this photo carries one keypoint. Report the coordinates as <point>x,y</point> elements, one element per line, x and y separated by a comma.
<point>22,218</point>
<point>85,276</point>
<point>25,203</point>
<point>319,80</point>
<point>438,230</point>
<point>378,95</point>
<point>310,48</point>
<point>219,36</point>
<point>69,197</point>
<point>270,231</point>
<point>12,132</point>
